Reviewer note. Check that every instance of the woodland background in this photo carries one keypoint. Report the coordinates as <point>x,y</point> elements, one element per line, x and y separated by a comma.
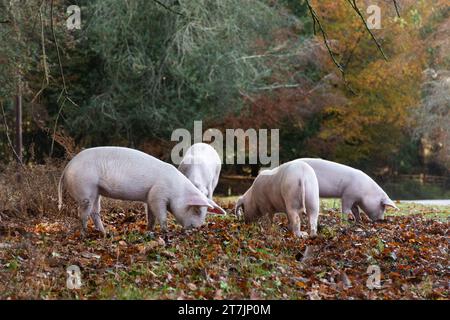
<point>137,70</point>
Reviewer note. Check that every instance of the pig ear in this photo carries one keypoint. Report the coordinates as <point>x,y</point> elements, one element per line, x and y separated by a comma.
<point>389,203</point>
<point>216,206</point>
<point>196,200</point>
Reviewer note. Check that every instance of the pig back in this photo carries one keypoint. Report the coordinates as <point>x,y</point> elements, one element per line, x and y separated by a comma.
<point>117,172</point>
<point>333,178</point>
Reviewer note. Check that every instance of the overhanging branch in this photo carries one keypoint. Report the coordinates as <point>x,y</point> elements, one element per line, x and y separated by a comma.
<point>355,7</point>
<point>167,7</point>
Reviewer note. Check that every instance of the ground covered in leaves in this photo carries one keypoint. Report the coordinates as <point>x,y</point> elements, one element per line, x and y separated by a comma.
<point>226,259</point>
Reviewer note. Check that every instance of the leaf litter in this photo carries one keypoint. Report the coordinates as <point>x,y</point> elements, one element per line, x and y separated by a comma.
<point>225,259</point>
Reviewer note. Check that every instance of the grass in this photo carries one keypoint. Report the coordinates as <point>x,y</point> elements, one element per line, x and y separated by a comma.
<point>406,208</point>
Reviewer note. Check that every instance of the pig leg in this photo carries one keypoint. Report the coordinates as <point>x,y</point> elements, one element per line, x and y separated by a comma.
<point>313,215</point>
<point>159,211</point>
<point>151,220</point>
<point>293,205</point>
<point>347,207</point>
<point>157,208</point>
<point>84,211</point>
<point>96,216</point>
<point>294,222</point>
<point>356,213</point>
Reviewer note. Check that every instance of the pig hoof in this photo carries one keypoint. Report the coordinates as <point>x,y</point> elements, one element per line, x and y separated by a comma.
<point>102,231</point>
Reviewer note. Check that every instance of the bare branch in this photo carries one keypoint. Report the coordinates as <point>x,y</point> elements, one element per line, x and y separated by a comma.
<point>168,8</point>
<point>355,7</point>
<point>61,70</point>
<point>57,49</point>
<point>350,52</point>
<point>7,135</point>
<point>396,8</point>
<point>45,79</point>
<point>315,18</point>
<point>278,86</point>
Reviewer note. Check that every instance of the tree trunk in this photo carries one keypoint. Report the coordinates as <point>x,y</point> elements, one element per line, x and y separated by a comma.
<point>19,143</point>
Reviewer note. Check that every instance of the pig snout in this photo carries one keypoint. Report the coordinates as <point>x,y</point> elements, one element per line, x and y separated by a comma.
<point>195,220</point>
<point>378,215</point>
<point>380,218</point>
<point>193,224</point>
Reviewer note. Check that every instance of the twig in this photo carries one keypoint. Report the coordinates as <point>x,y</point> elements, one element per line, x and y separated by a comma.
<point>355,7</point>
<point>396,8</point>
<point>278,86</point>
<point>61,70</point>
<point>316,19</point>
<point>168,8</point>
<point>350,54</point>
<point>57,50</point>
<point>55,126</point>
<point>45,80</point>
<point>5,123</point>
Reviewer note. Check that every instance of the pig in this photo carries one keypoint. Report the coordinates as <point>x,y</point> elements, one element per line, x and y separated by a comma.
<point>201,165</point>
<point>128,174</point>
<point>291,188</point>
<point>355,189</point>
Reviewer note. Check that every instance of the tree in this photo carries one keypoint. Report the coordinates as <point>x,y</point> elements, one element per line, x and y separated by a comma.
<point>369,129</point>
<point>162,70</point>
<point>433,114</point>
<point>28,62</point>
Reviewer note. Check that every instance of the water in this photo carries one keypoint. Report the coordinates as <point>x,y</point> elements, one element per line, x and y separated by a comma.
<point>444,202</point>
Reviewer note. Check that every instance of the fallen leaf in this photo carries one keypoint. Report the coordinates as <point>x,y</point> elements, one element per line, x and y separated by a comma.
<point>192,286</point>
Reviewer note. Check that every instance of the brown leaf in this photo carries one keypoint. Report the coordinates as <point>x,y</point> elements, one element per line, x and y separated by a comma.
<point>192,286</point>
<point>345,280</point>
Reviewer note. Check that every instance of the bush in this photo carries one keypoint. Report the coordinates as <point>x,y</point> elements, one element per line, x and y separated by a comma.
<point>32,190</point>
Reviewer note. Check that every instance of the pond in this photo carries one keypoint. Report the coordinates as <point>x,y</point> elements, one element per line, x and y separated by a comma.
<point>443,202</point>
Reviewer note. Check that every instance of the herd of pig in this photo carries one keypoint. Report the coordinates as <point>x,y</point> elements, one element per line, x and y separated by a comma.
<point>187,192</point>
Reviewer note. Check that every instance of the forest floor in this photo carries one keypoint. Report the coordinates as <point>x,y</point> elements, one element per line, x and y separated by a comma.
<point>226,259</point>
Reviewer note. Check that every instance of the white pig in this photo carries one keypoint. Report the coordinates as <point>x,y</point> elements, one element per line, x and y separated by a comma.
<point>128,174</point>
<point>201,165</point>
<point>291,188</point>
<point>352,186</point>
